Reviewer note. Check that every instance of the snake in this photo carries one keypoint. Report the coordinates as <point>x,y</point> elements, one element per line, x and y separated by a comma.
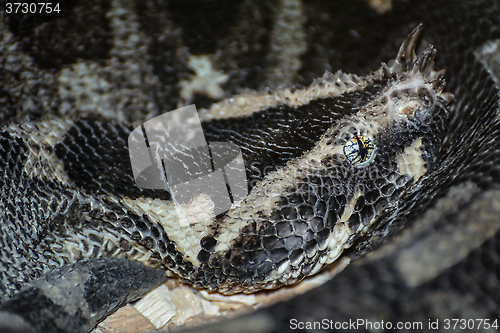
<point>389,159</point>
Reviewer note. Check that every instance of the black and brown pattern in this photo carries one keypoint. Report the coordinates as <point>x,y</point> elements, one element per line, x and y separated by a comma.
<point>111,65</point>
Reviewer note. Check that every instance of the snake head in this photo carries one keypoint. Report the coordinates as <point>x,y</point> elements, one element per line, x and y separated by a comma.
<point>304,215</point>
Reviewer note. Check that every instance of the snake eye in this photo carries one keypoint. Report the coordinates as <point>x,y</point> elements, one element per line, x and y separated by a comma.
<point>359,150</point>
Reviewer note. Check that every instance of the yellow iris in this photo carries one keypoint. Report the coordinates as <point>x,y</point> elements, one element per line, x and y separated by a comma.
<point>359,150</point>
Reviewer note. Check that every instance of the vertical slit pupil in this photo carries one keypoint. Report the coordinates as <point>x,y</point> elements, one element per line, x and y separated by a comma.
<point>362,148</point>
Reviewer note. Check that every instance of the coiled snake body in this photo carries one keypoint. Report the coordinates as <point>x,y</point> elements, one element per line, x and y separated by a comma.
<point>381,163</point>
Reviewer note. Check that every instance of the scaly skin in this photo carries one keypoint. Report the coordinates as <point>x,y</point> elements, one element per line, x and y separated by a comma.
<point>466,157</point>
